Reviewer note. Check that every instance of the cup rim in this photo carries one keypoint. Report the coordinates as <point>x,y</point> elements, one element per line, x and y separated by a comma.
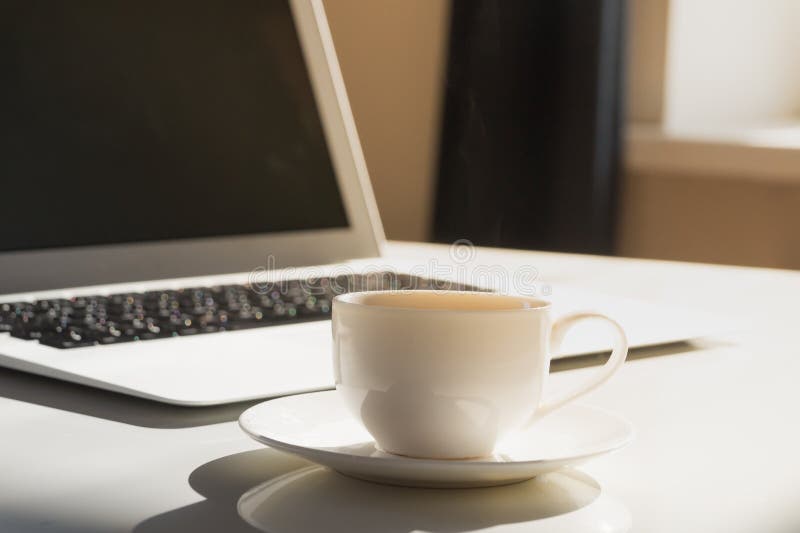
<point>349,300</point>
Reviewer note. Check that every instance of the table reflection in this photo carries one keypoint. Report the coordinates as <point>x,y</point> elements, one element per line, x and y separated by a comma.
<point>315,498</point>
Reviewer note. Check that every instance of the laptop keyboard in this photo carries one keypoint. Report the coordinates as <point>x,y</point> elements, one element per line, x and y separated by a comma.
<point>130,317</point>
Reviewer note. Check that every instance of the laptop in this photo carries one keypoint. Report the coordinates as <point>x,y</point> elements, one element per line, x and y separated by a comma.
<point>183,193</point>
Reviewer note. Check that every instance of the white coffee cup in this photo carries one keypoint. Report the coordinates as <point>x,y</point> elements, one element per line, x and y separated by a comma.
<point>447,375</point>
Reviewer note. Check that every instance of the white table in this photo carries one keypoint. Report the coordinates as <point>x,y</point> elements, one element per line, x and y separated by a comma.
<point>718,424</point>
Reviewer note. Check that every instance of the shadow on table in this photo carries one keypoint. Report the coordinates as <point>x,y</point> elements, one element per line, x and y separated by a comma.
<point>221,482</point>
<point>299,496</point>
<point>596,359</point>
<point>140,412</point>
<point>112,406</point>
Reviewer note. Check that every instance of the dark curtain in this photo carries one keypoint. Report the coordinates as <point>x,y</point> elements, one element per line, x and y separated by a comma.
<point>530,143</point>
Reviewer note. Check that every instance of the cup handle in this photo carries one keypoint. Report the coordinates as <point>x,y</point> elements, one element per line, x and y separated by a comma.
<point>557,333</point>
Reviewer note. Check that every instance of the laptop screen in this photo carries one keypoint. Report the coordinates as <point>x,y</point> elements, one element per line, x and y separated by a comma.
<point>138,120</point>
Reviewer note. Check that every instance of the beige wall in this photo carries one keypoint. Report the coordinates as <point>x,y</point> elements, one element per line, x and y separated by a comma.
<point>647,26</point>
<point>710,219</point>
<point>725,202</point>
<point>392,54</point>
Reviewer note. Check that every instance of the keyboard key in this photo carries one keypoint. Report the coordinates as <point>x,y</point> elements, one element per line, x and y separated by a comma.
<point>110,339</point>
<point>245,324</point>
<point>64,342</point>
<point>26,331</point>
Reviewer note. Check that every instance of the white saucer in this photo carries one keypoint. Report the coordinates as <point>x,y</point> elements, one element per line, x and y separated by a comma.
<point>317,427</point>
